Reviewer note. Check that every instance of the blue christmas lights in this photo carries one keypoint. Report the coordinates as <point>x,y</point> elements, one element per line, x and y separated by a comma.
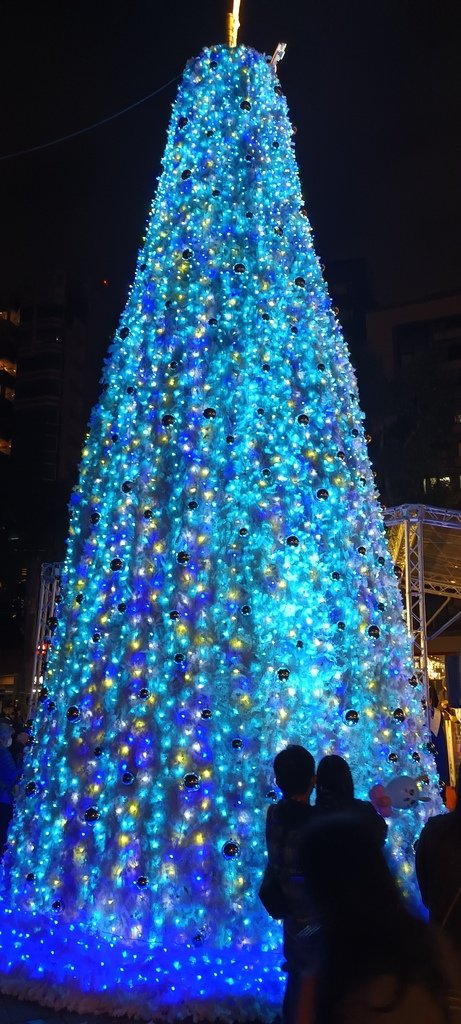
<point>227,590</point>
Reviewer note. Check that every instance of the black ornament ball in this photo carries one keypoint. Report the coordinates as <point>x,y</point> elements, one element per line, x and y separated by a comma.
<point>352,717</point>
<point>336,575</point>
<point>186,174</point>
<point>206,713</point>
<point>57,904</point>
<point>245,105</point>
<point>299,644</point>
<point>283,674</point>
<point>98,751</point>
<point>237,743</point>
<point>91,815</point>
<point>116,564</point>
<point>127,486</point>
<point>192,504</point>
<point>373,631</point>
<point>147,514</point>
<point>182,121</point>
<point>322,493</point>
<point>321,367</point>
<point>182,557</point>
<point>361,550</point>
<point>399,715</point>
<point>191,780</point>
<point>30,877</point>
<point>167,419</point>
<point>292,541</point>
<point>179,658</point>
<point>124,332</point>
<point>43,693</point>
<point>380,560</point>
<point>96,637</point>
<point>341,625</point>
<point>128,778</point>
<point>51,706</point>
<point>415,756</point>
<point>209,413</point>
<point>246,610</point>
<point>230,438</point>
<point>122,606</point>
<point>79,598</point>
<point>303,418</point>
<point>94,518</point>
<point>174,614</point>
<point>243,531</point>
<point>143,693</point>
<point>300,282</point>
<point>52,622</point>
<point>393,758</point>
<point>271,795</point>
<point>30,788</point>
<point>239,268</point>
<point>73,713</point>
<point>187,254</point>
<point>413,681</point>
<point>231,849</point>
<point>142,881</point>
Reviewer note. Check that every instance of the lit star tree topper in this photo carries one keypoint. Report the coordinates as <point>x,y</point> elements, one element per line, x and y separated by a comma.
<point>227,590</point>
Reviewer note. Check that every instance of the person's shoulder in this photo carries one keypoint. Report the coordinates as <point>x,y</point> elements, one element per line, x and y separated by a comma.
<point>440,822</point>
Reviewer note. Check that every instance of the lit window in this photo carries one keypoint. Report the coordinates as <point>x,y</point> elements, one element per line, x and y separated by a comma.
<point>436,483</point>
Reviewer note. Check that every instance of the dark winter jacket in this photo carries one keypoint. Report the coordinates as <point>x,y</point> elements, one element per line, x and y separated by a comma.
<point>285,824</point>
<point>362,809</point>
<point>438,869</point>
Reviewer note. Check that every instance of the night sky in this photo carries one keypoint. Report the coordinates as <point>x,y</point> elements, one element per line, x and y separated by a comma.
<point>373,87</point>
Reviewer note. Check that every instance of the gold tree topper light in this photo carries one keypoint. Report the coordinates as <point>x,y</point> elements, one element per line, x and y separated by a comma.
<point>233,23</point>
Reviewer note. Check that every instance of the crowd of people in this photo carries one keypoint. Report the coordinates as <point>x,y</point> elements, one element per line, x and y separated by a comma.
<point>354,953</point>
<point>15,736</point>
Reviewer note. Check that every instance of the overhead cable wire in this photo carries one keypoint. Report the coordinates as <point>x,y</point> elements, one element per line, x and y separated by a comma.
<point>89,128</point>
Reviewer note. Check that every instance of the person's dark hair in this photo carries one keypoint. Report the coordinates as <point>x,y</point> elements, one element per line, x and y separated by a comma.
<point>294,770</point>
<point>367,929</point>
<point>334,782</point>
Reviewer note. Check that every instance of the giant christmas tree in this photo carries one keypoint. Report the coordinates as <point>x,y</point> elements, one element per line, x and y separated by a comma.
<point>227,590</point>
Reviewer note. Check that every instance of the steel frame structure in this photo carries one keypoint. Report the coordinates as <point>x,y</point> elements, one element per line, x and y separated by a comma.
<point>405,525</point>
<point>50,580</point>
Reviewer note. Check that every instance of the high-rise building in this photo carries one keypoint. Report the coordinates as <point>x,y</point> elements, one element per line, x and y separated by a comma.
<point>415,419</point>
<point>43,412</point>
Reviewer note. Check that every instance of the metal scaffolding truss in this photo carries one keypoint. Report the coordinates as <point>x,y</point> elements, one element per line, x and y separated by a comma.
<point>425,543</point>
<point>50,582</point>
